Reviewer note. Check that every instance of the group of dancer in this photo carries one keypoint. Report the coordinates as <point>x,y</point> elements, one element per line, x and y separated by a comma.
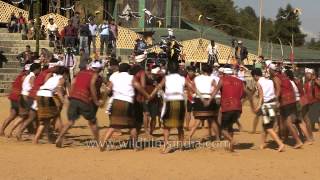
<point>136,96</point>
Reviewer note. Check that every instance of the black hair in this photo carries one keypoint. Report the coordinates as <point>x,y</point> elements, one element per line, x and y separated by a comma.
<point>191,68</point>
<point>35,66</point>
<point>207,69</point>
<point>173,67</point>
<point>60,70</point>
<point>290,74</point>
<point>124,67</point>
<point>135,69</point>
<point>256,72</point>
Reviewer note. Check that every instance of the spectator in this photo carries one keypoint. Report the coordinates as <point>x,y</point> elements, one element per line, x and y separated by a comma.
<point>3,59</point>
<point>83,59</point>
<point>70,62</point>
<point>92,38</point>
<point>258,63</point>
<point>76,21</point>
<point>52,29</point>
<point>104,36</point>
<point>70,34</point>
<point>212,53</point>
<point>241,53</point>
<point>25,57</point>
<point>43,34</point>
<point>21,22</point>
<point>12,24</point>
<point>84,35</point>
<point>31,30</point>
<point>113,35</point>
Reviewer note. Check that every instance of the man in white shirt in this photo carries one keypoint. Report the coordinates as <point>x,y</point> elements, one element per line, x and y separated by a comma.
<point>266,106</point>
<point>52,30</point>
<point>92,38</point>
<point>104,36</point>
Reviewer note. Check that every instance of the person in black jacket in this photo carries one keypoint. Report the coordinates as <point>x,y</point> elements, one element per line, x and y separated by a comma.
<point>3,59</point>
<point>84,35</point>
<point>241,52</point>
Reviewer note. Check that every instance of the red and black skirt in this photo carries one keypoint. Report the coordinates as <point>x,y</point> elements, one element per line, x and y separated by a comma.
<point>122,114</point>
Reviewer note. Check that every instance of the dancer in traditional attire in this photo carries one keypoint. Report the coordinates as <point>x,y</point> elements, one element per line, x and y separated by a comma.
<point>25,102</point>
<point>44,75</point>
<point>267,106</point>
<point>82,101</point>
<point>174,109</point>
<point>191,70</point>
<point>14,99</point>
<point>311,99</point>
<point>232,91</point>
<point>205,85</point>
<point>48,109</point>
<point>287,99</point>
<point>298,91</point>
<point>123,85</point>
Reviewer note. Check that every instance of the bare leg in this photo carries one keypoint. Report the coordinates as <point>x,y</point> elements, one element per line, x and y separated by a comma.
<point>15,125</point>
<point>58,124</point>
<point>264,139</point>
<point>146,123</point>
<point>229,137</point>
<point>95,130</point>
<point>152,125</point>
<point>305,131</point>
<point>277,139</point>
<point>239,125</point>
<point>187,119</point>
<point>106,138</point>
<point>6,122</point>
<point>255,124</point>
<point>309,128</point>
<point>194,127</point>
<point>166,133</point>
<point>31,117</point>
<point>293,132</point>
<point>215,128</point>
<point>134,138</point>
<point>40,129</point>
<point>63,132</point>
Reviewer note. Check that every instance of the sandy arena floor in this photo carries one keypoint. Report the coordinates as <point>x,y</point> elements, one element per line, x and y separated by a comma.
<point>25,161</point>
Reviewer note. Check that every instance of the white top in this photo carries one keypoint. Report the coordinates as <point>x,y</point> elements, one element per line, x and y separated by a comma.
<point>93,29</point>
<point>52,27</point>
<point>122,86</point>
<point>48,88</point>
<point>212,50</point>
<point>26,86</point>
<point>204,85</point>
<point>296,90</point>
<point>104,29</point>
<point>174,87</point>
<point>170,32</point>
<point>267,86</point>
<point>241,75</point>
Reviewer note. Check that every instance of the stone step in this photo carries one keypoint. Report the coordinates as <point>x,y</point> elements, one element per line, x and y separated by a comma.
<point>5,84</point>
<point>23,43</point>
<point>10,70</point>
<point>12,64</point>
<point>10,36</point>
<point>8,76</point>
<point>17,50</point>
<point>3,30</point>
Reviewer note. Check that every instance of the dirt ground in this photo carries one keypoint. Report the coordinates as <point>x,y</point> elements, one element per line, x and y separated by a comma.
<point>23,160</point>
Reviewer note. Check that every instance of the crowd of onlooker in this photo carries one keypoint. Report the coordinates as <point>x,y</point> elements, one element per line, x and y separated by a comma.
<point>78,34</point>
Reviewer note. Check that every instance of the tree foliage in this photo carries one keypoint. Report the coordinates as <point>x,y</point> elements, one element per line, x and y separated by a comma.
<point>245,21</point>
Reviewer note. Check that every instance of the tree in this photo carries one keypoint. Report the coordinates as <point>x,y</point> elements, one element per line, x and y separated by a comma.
<point>286,25</point>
